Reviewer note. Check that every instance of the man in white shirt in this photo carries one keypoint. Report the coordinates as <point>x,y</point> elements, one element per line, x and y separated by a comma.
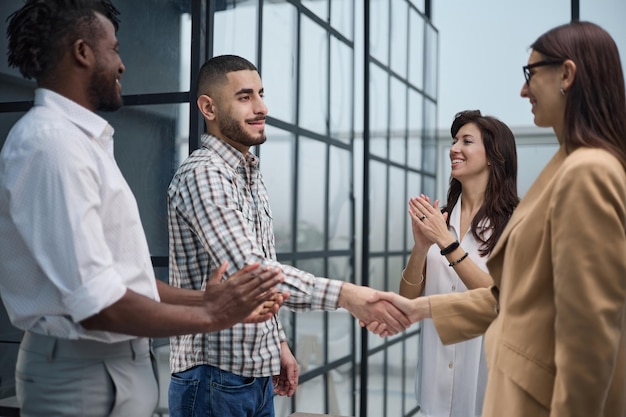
<point>75,267</point>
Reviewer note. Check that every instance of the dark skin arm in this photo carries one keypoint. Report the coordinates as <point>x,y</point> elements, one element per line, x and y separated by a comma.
<point>220,306</point>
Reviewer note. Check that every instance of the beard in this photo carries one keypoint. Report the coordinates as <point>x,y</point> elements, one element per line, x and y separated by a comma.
<point>233,130</point>
<point>103,90</point>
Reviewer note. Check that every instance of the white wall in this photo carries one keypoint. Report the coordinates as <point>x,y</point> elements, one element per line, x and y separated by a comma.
<point>485,43</point>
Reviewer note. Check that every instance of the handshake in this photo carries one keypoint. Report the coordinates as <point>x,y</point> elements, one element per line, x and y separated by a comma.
<point>383,313</point>
<point>255,300</point>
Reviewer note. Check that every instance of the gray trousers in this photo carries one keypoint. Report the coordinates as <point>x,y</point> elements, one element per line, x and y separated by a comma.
<point>83,378</point>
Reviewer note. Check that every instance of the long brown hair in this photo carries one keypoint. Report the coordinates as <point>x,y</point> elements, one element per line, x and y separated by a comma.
<point>595,110</point>
<point>501,194</point>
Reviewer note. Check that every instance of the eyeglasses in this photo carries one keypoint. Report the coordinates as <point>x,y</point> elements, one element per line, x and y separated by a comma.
<point>527,68</point>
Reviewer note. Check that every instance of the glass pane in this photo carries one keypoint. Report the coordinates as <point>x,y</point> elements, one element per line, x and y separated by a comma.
<point>379,109</point>
<point>377,273</point>
<point>341,390</point>
<point>316,266</point>
<point>288,320</point>
<point>398,122</point>
<point>395,368</point>
<point>379,30</point>
<point>340,322</point>
<point>415,125</point>
<point>16,88</point>
<point>282,405</point>
<point>13,87</point>
<point>313,77</point>
<point>376,385</point>
<point>279,60</point>
<point>399,33</point>
<point>410,370</point>
<point>311,194</point>
<point>397,209</point>
<point>155,45</point>
<point>416,49</point>
<point>341,87</point>
<point>235,31</point>
<point>419,4</point>
<point>147,150</point>
<point>6,8</point>
<point>310,396</point>
<point>276,156</point>
<point>414,188</point>
<point>340,268</point>
<point>378,206</point>
<point>10,338</point>
<point>431,57</point>
<point>430,185</point>
<point>342,17</point>
<point>8,358</point>
<point>532,157</point>
<point>430,136</point>
<point>319,7</point>
<point>309,345</point>
<point>7,120</point>
<point>359,234</point>
<point>395,266</point>
<point>339,200</point>
<point>359,69</point>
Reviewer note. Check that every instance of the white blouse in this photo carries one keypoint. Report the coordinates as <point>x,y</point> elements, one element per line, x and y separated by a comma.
<point>451,379</point>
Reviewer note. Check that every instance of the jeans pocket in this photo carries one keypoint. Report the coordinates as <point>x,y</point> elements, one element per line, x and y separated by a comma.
<point>233,395</point>
<point>182,394</point>
<point>229,382</point>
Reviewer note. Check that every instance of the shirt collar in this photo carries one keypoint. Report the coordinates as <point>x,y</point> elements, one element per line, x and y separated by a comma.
<point>229,154</point>
<point>92,124</point>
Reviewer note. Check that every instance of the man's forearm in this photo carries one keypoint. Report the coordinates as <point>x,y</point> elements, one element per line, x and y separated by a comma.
<point>179,296</point>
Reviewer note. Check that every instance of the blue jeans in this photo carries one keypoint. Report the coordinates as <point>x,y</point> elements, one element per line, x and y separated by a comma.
<point>207,391</point>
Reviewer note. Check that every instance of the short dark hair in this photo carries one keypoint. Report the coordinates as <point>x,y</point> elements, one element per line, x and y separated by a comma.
<point>41,31</point>
<point>214,71</point>
<point>501,194</point>
<point>595,108</point>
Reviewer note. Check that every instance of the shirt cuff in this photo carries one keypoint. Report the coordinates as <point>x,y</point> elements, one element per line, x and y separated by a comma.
<point>95,295</point>
<point>326,294</point>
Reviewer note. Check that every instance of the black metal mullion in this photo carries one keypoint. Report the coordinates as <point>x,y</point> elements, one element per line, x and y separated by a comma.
<point>353,218</point>
<point>405,236</point>
<point>575,10</point>
<point>364,368</point>
<point>326,206</point>
<point>196,122</point>
<point>296,177</point>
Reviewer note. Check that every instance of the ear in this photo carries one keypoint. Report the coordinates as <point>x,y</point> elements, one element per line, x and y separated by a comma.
<point>206,105</point>
<point>82,53</point>
<point>568,75</point>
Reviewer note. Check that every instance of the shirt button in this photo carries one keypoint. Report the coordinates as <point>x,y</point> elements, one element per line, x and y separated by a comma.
<point>450,365</point>
<point>453,287</point>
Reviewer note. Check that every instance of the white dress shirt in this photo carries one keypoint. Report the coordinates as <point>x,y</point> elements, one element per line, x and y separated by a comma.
<point>72,239</point>
<point>451,379</point>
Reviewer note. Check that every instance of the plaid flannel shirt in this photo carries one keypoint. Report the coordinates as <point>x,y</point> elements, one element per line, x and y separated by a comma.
<point>218,210</point>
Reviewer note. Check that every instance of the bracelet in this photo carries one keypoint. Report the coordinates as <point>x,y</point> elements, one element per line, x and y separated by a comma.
<point>458,261</point>
<point>452,246</point>
<point>409,282</point>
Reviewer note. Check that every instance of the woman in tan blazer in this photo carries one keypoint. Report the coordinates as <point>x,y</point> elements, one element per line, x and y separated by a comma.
<point>555,318</point>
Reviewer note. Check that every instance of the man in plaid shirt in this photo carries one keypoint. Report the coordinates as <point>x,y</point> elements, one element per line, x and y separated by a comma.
<point>218,210</point>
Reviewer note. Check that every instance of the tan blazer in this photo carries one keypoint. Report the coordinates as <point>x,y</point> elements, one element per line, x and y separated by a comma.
<point>555,318</point>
